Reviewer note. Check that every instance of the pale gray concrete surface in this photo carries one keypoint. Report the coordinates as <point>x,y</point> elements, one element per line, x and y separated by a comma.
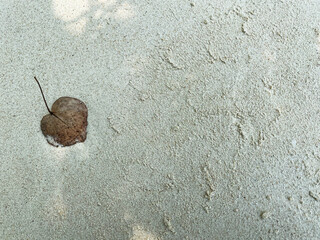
<point>204,119</point>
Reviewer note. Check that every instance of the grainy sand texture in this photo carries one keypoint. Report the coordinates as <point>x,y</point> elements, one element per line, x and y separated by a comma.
<point>203,119</point>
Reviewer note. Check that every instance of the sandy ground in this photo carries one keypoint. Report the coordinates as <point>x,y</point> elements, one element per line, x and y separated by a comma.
<point>204,119</point>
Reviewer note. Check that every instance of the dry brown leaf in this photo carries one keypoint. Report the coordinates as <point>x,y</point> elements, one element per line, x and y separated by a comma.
<point>66,123</point>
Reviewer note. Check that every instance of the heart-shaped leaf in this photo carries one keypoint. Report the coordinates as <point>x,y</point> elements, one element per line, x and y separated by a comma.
<point>66,123</point>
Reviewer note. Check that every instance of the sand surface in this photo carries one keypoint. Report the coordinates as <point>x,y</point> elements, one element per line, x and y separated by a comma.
<point>204,119</point>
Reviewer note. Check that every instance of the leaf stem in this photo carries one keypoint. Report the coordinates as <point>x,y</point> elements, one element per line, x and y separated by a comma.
<point>44,99</point>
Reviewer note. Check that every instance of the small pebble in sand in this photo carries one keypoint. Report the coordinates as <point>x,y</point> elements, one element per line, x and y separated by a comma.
<point>264,214</point>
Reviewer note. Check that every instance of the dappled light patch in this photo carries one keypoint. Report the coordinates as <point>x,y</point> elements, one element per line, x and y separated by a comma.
<point>76,14</point>
<point>69,10</point>
<point>77,27</point>
<point>140,234</point>
<point>125,11</point>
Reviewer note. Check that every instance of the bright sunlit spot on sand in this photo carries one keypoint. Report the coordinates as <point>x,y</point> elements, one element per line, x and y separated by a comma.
<point>57,207</point>
<point>107,2</point>
<point>82,149</point>
<point>76,13</point>
<point>139,233</point>
<point>72,10</point>
<point>77,27</point>
<point>69,10</point>
<point>125,11</point>
<point>59,153</point>
<point>98,14</point>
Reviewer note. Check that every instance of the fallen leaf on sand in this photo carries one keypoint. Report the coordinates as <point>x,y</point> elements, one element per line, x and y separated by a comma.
<point>67,123</point>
